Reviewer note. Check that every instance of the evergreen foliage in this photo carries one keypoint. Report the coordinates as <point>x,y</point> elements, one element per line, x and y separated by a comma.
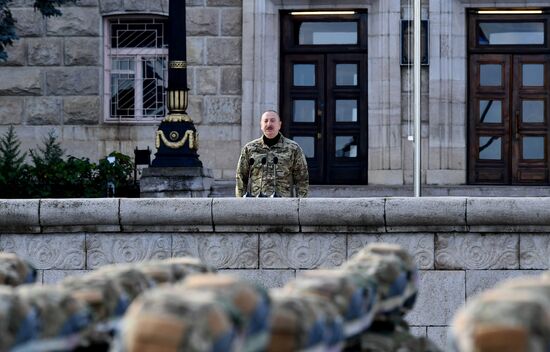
<point>47,8</point>
<point>52,175</point>
<point>11,164</point>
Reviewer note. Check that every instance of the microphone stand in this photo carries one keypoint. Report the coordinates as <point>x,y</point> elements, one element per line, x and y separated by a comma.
<point>262,194</point>
<point>248,193</point>
<point>275,194</point>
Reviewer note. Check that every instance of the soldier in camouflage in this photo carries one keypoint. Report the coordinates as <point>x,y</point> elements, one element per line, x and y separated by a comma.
<point>275,163</point>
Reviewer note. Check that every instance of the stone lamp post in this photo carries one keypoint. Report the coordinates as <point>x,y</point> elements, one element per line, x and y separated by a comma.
<point>176,170</point>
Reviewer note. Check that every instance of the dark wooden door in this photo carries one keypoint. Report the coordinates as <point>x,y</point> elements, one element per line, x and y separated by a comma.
<point>324,107</point>
<point>508,119</point>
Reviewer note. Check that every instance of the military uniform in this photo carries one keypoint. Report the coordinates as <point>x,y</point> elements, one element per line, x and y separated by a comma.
<point>291,169</point>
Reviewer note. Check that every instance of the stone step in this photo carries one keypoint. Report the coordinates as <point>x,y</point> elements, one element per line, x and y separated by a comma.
<point>226,188</point>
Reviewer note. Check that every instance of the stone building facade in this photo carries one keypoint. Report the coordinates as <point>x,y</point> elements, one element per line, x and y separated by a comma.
<point>60,76</point>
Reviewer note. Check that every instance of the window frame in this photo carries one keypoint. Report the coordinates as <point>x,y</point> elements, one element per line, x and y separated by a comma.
<point>137,54</point>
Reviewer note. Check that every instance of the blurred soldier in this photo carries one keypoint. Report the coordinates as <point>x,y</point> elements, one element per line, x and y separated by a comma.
<point>274,164</point>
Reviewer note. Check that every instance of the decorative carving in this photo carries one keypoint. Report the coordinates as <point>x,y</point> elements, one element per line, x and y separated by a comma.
<point>174,135</point>
<point>300,251</point>
<point>474,251</point>
<point>189,135</point>
<point>220,251</point>
<point>177,64</point>
<point>421,246</point>
<point>108,249</point>
<point>171,117</point>
<point>535,252</point>
<point>47,251</point>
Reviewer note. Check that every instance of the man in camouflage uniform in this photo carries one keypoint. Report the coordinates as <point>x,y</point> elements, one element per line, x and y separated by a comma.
<point>272,153</point>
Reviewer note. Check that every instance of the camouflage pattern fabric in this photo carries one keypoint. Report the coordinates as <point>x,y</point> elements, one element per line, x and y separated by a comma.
<point>303,322</point>
<point>503,320</point>
<point>106,298</point>
<point>291,169</point>
<point>59,313</point>
<point>15,271</point>
<point>170,320</point>
<point>396,279</point>
<point>248,305</point>
<point>353,296</point>
<point>395,340</point>
<point>173,269</point>
<point>132,281</point>
<point>18,321</point>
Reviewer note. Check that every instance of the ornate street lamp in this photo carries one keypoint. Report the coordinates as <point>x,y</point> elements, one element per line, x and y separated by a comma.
<point>176,138</point>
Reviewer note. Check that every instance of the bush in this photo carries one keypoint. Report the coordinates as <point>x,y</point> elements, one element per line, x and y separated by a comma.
<point>51,175</point>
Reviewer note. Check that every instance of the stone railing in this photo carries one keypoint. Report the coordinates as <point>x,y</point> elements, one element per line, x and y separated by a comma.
<point>461,245</point>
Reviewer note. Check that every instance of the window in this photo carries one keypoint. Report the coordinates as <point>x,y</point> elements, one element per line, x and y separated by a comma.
<point>136,73</point>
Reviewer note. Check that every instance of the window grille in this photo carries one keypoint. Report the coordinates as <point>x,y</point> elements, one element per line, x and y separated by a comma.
<point>136,71</point>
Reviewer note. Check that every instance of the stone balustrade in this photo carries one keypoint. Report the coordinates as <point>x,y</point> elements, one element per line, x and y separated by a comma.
<point>461,245</point>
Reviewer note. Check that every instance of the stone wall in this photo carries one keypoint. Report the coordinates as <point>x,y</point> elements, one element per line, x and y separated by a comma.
<point>54,79</point>
<point>461,245</point>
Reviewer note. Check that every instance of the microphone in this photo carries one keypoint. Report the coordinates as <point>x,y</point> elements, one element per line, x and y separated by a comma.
<point>275,194</point>
<point>261,194</point>
<point>248,193</point>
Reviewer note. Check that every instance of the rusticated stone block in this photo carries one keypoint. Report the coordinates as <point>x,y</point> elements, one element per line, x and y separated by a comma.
<point>440,294</point>
<point>223,110</point>
<point>224,251</point>
<point>481,280</point>
<point>159,6</point>
<point>73,81</point>
<point>109,6</point>
<point>207,80</point>
<point>475,251</point>
<point>195,109</point>
<point>202,21</point>
<point>105,249</point>
<point>535,251</point>
<point>341,214</point>
<point>11,110</point>
<point>76,21</point>
<point>17,53</point>
<point>231,81</point>
<point>79,214</point>
<point>81,110</point>
<point>53,251</point>
<point>43,110</point>
<point>195,51</point>
<point>232,23</point>
<point>136,5</point>
<point>23,81</point>
<point>300,251</point>
<point>426,213</point>
<point>170,214</point>
<point>81,51</point>
<point>508,214</point>
<point>223,51</point>
<point>50,277</point>
<point>19,215</point>
<point>30,23</point>
<point>265,278</point>
<point>44,51</point>
<point>255,214</point>
<point>223,2</point>
<point>420,246</point>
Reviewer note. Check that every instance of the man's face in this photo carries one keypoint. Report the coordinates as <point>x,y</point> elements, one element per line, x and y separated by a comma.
<point>271,124</point>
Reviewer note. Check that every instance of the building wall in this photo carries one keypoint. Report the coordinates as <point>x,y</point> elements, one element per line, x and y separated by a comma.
<point>460,245</point>
<point>54,80</point>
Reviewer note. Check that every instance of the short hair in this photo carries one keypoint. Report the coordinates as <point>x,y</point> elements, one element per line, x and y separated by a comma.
<point>272,111</point>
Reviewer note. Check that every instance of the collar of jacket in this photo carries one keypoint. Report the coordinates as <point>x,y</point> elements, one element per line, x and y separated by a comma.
<point>278,144</point>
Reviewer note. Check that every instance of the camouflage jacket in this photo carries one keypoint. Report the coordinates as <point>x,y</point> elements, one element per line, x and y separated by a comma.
<point>291,169</point>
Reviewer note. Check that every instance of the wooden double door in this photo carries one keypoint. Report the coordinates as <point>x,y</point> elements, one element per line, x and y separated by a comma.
<point>509,97</point>
<point>324,109</point>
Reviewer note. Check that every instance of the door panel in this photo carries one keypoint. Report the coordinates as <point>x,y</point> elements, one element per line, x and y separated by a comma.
<point>509,116</point>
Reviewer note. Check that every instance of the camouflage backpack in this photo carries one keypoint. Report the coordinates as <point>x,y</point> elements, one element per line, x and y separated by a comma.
<point>18,321</point>
<point>173,269</point>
